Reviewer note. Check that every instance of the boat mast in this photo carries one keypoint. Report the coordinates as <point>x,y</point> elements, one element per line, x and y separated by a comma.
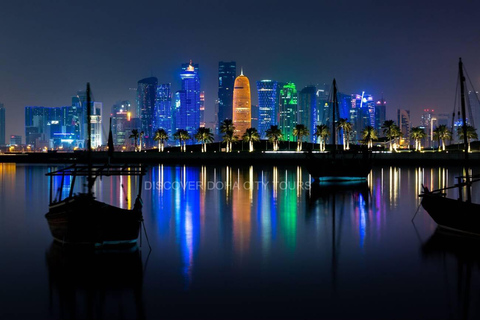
<point>464,127</point>
<point>89,142</point>
<point>333,117</point>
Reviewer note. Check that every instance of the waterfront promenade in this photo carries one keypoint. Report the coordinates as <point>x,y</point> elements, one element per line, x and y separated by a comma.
<point>239,157</point>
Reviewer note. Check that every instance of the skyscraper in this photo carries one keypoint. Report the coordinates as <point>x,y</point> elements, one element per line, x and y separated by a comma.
<point>380,114</point>
<point>288,106</point>
<point>202,109</point>
<point>403,122</point>
<point>362,113</point>
<point>120,115</point>
<point>242,105</point>
<point>2,125</point>
<point>163,108</point>
<point>227,72</point>
<point>187,100</point>
<point>146,94</point>
<point>307,109</point>
<point>268,92</point>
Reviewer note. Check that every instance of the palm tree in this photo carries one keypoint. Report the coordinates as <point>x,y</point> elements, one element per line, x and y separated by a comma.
<point>441,133</point>
<point>300,131</point>
<point>417,134</point>
<point>323,132</point>
<point>251,135</point>
<point>204,135</point>
<point>182,136</point>
<point>229,137</point>
<point>274,134</point>
<point>346,129</point>
<point>368,135</point>
<point>137,136</point>
<point>392,132</point>
<point>471,134</point>
<point>161,136</point>
<point>228,129</point>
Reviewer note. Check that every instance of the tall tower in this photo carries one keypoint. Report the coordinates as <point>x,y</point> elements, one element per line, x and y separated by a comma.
<point>267,105</point>
<point>403,122</point>
<point>242,105</point>
<point>187,105</point>
<point>288,105</point>
<point>307,109</point>
<point>202,109</point>
<point>163,108</point>
<point>2,125</point>
<point>227,71</point>
<point>380,114</point>
<point>146,93</point>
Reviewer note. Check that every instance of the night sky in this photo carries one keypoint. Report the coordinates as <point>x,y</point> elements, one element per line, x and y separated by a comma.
<point>407,50</point>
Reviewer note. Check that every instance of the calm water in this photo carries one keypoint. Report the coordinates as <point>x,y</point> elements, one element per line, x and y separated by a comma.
<point>243,243</point>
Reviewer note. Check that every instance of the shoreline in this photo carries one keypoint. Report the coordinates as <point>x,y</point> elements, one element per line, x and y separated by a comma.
<point>247,158</point>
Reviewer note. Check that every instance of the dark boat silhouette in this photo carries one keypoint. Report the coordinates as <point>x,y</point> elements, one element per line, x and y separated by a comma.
<point>335,166</point>
<point>80,219</point>
<point>460,215</point>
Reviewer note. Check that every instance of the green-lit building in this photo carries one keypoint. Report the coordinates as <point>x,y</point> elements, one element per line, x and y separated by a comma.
<point>288,106</point>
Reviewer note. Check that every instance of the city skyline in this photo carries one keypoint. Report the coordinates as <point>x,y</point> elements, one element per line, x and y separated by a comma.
<point>404,50</point>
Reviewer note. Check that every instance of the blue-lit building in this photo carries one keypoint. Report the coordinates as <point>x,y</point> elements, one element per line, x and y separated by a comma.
<point>268,94</point>
<point>227,72</point>
<point>307,109</point>
<point>362,113</point>
<point>121,114</point>
<point>163,108</point>
<point>2,125</point>
<point>146,95</point>
<point>187,101</point>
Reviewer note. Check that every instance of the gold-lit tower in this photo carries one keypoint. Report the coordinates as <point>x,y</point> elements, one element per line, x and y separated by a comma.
<point>242,105</point>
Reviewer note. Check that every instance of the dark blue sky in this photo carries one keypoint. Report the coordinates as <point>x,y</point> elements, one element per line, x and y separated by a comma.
<point>407,50</point>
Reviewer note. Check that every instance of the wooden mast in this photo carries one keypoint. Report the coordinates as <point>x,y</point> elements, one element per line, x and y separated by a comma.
<point>464,127</point>
<point>89,141</point>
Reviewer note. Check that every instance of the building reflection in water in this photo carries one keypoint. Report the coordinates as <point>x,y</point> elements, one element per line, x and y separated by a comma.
<point>241,211</point>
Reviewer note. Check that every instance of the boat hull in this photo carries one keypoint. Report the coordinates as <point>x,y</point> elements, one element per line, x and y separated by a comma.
<point>80,220</point>
<point>452,214</point>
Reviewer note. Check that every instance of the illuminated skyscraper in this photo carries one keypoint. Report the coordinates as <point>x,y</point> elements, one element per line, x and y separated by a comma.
<point>2,125</point>
<point>307,109</point>
<point>362,113</point>
<point>227,72</point>
<point>202,109</point>
<point>163,108</point>
<point>146,94</point>
<point>121,114</point>
<point>288,106</point>
<point>268,92</point>
<point>242,105</point>
<point>403,122</point>
<point>187,100</point>
<point>380,114</point>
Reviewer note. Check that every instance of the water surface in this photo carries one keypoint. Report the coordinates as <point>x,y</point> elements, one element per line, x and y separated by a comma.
<point>254,242</point>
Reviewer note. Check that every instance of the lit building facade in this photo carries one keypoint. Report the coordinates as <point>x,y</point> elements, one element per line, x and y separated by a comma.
<point>288,106</point>
<point>380,114</point>
<point>242,105</point>
<point>187,100</point>
<point>362,113</point>
<point>120,115</point>
<point>307,109</point>
<point>268,93</point>
<point>428,121</point>
<point>2,124</point>
<point>202,109</point>
<point>146,94</point>
<point>227,72</point>
<point>163,108</point>
<point>404,124</point>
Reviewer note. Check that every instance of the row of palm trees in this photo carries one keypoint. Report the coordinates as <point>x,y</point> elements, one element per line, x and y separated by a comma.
<point>274,134</point>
